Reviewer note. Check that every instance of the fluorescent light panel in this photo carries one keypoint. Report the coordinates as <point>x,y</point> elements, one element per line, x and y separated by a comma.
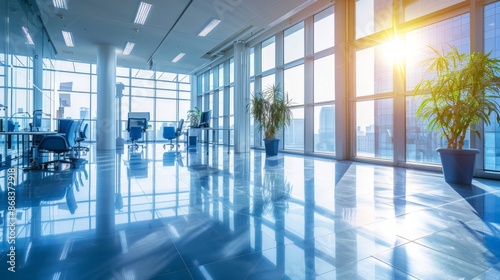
<point>210,26</point>
<point>68,38</point>
<point>27,35</point>
<point>61,4</point>
<point>128,48</point>
<point>142,13</point>
<point>178,57</point>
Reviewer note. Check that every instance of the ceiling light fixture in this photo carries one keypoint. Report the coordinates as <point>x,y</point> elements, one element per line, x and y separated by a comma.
<point>142,13</point>
<point>68,38</point>
<point>27,35</point>
<point>61,4</point>
<point>210,26</point>
<point>128,48</point>
<point>178,57</point>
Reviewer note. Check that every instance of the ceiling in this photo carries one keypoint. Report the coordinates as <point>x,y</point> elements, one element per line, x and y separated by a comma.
<point>165,33</point>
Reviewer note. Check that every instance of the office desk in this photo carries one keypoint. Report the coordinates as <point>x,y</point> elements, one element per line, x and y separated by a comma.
<point>27,134</point>
<point>207,129</point>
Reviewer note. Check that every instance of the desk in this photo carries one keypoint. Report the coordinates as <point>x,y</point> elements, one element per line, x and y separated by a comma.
<point>206,129</point>
<point>24,134</point>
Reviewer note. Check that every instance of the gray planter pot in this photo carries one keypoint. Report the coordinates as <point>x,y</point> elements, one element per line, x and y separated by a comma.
<point>458,165</point>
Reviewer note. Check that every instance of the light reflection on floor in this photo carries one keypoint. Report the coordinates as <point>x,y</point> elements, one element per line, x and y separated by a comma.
<point>159,214</point>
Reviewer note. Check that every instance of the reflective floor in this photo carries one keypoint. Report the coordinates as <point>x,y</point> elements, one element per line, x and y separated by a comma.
<point>158,214</point>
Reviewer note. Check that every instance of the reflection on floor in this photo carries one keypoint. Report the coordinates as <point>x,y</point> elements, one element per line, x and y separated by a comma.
<point>156,214</point>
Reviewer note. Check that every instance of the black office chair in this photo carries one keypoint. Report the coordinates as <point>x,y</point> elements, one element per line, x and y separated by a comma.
<point>171,133</point>
<point>60,145</point>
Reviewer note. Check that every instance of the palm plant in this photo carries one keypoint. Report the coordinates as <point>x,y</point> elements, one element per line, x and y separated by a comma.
<point>193,116</point>
<point>271,110</point>
<point>462,93</point>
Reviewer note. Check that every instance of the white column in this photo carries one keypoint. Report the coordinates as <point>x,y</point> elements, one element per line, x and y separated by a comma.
<point>241,99</point>
<point>106,97</point>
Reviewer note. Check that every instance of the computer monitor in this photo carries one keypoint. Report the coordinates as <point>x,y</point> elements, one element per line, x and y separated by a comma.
<point>205,119</point>
<point>37,120</point>
<point>137,122</point>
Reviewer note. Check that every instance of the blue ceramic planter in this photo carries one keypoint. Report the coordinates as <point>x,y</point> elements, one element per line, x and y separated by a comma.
<point>458,165</point>
<point>272,146</point>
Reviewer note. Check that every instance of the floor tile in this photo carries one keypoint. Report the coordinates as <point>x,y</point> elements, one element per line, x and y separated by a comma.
<point>160,214</point>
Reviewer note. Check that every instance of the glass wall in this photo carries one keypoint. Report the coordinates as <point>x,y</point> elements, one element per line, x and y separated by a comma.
<point>74,86</point>
<point>491,43</point>
<point>382,55</point>
<point>374,123</point>
<point>24,49</point>
<point>420,142</point>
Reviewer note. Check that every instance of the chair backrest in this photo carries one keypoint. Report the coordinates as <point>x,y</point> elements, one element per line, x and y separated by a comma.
<point>135,132</point>
<point>70,133</point>
<point>63,125</point>
<point>83,133</point>
<point>78,129</point>
<point>179,127</point>
<point>169,132</point>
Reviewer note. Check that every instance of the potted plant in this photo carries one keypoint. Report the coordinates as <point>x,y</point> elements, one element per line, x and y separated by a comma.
<point>271,111</point>
<point>193,117</point>
<point>461,94</point>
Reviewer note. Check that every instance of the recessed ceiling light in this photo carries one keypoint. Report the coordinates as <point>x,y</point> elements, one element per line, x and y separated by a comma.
<point>27,35</point>
<point>178,57</point>
<point>142,13</point>
<point>61,4</point>
<point>68,38</point>
<point>128,48</point>
<point>210,26</point>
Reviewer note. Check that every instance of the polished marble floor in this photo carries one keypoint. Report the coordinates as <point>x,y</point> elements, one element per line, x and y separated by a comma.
<point>158,214</point>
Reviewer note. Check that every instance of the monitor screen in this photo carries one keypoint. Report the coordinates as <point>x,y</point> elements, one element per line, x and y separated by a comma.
<point>37,120</point>
<point>205,119</point>
<point>137,122</point>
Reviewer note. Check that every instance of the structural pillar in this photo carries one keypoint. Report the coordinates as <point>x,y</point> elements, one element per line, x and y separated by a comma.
<point>37,80</point>
<point>106,92</point>
<point>241,99</point>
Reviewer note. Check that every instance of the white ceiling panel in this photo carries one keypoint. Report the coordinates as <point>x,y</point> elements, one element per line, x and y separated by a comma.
<point>94,22</point>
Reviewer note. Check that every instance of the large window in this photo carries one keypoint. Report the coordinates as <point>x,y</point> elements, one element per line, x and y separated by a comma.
<point>491,43</point>
<point>294,86</point>
<point>268,54</point>
<point>324,84</point>
<point>74,87</point>
<point>294,43</point>
<point>420,142</point>
<point>372,16</point>
<point>374,128</point>
<point>324,26</point>
<point>379,59</point>
<point>373,71</point>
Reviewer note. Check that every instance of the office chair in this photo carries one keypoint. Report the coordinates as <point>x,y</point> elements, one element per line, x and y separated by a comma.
<point>171,133</point>
<point>80,137</point>
<point>60,145</point>
<point>135,133</point>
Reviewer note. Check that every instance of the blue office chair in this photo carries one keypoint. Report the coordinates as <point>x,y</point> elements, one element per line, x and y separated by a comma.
<point>171,133</point>
<point>135,133</point>
<point>60,145</point>
<point>81,136</point>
